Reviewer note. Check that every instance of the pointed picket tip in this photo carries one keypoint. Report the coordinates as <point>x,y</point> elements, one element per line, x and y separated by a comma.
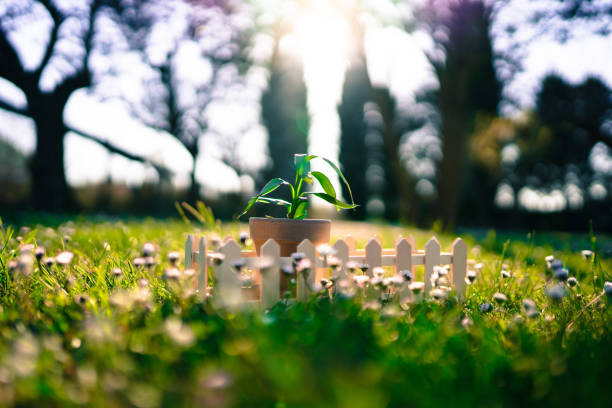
<point>403,245</point>
<point>189,241</point>
<point>340,246</point>
<point>227,238</point>
<point>188,251</point>
<point>459,244</point>
<point>378,239</point>
<point>398,239</point>
<point>432,243</point>
<point>373,244</point>
<point>270,244</point>
<point>403,255</point>
<point>230,245</point>
<point>305,246</point>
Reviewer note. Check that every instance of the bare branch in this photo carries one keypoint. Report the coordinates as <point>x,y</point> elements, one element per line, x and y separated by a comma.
<point>82,78</point>
<point>13,109</point>
<point>11,68</point>
<point>162,170</point>
<point>57,18</point>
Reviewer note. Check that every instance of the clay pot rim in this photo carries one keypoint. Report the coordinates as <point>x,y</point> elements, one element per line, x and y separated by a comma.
<point>290,220</point>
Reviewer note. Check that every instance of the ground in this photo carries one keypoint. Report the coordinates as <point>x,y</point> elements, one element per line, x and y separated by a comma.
<point>100,330</point>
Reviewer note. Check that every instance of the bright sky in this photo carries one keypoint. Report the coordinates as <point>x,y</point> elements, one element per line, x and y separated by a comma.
<point>322,38</point>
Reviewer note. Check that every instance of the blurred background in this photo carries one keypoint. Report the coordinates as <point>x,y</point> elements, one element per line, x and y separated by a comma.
<point>442,113</point>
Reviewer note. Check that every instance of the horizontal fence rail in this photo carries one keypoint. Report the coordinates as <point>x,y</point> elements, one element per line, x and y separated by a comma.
<point>264,285</point>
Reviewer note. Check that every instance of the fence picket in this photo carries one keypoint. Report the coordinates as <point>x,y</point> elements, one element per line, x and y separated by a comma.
<point>305,281</point>
<point>459,266</point>
<point>202,268</point>
<point>373,254</point>
<point>227,280</point>
<point>403,251</point>
<point>189,244</point>
<point>265,287</point>
<point>342,253</point>
<point>270,276</point>
<point>432,258</point>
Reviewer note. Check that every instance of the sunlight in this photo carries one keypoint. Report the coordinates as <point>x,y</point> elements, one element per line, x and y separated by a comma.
<point>322,39</point>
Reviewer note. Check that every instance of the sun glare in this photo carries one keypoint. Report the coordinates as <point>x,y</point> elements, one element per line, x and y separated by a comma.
<point>320,37</point>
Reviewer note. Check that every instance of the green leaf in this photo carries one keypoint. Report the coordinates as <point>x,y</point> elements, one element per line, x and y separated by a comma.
<point>276,201</point>
<point>333,166</point>
<point>302,165</point>
<point>249,205</point>
<point>325,183</point>
<point>300,211</point>
<point>267,189</point>
<point>271,186</point>
<point>332,200</point>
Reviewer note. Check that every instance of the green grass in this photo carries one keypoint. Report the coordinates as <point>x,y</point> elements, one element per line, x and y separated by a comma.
<point>77,335</point>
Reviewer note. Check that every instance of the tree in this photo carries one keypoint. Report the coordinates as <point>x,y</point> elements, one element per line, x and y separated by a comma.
<point>353,156</point>
<point>284,113</point>
<point>568,122</point>
<point>45,104</point>
<point>172,101</point>
<point>468,85</point>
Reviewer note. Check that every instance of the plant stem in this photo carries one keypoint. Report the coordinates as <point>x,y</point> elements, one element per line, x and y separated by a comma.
<point>569,326</point>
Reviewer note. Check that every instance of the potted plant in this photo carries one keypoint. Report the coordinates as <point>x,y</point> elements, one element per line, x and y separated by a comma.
<point>290,231</point>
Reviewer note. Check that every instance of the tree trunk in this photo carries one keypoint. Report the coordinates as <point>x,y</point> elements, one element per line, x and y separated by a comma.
<point>193,193</point>
<point>452,167</point>
<point>50,191</point>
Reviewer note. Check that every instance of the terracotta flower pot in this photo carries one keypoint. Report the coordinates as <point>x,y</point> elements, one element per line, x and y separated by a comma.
<point>288,233</point>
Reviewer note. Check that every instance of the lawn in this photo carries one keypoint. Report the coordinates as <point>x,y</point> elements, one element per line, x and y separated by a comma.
<point>101,330</point>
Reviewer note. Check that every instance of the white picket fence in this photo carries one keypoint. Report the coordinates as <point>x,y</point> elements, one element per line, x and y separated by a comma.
<point>264,291</point>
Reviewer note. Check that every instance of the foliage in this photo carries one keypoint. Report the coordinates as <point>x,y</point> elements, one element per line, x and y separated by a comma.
<point>297,207</point>
<point>106,330</point>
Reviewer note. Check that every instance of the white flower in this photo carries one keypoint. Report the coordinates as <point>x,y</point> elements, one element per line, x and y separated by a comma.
<point>500,298</point>
<point>470,277</point>
<point>361,280</point>
<point>26,248</point>
<point>39,253</point>
<point>586,254</point>
<point>172,274</point>
<point>64,258</point>
<point>608,288</point>
<point>148,249</point>
<point>378,272</point>
<point>417,287</point>
<point>439,294</point>
<point>393,281</point>
<point>173,257</point>
<point>25,263</point>
<point>179,332</point>
<point>530,308</point>
<point>216,258</point>
<point>326,250</point>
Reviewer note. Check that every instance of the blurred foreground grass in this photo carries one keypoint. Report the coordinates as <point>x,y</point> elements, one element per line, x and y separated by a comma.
<point>101,330</point>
